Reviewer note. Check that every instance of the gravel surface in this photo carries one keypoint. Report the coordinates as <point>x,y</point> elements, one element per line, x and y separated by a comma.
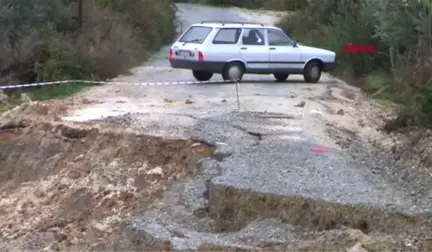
<point>263,150</point>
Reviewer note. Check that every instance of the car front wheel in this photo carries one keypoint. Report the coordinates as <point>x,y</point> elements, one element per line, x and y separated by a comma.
<point>312,72</point>
<point>202,75</point>
<point>281,77</point>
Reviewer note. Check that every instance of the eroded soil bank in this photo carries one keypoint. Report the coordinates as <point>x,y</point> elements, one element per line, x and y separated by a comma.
<point>67,187</point>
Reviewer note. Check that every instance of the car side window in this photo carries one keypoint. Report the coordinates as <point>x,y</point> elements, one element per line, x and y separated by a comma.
<point>227,36</point>
<point>278,38</point>
<point>253,37</point>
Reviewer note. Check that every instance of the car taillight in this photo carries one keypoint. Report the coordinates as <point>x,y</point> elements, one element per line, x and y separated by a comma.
<point>171,54</point>
<point>200,57</point>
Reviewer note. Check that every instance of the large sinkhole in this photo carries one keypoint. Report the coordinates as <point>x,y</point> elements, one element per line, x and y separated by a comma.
<point>67,187</point>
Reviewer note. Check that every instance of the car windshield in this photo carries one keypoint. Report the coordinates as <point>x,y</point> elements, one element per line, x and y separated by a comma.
<point>195,34</point>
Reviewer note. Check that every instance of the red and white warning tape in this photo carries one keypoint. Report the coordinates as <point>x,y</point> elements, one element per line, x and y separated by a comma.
<point>167,83</point>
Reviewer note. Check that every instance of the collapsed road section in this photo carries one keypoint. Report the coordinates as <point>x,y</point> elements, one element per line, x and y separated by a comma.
<point>270,193</point>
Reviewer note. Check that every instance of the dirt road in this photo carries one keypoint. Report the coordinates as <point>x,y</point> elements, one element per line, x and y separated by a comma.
<point>264,183</point>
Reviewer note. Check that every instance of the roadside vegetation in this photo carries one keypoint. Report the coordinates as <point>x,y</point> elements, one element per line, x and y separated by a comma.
<point>401,31</point>
<point>46,40</point>
<point>289,5</point>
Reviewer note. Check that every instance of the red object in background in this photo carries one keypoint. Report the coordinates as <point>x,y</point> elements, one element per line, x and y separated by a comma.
<point>353,49</point>
<point>319,149</point>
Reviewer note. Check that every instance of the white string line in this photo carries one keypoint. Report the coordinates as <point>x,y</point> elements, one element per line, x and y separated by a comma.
<point>39,84</point>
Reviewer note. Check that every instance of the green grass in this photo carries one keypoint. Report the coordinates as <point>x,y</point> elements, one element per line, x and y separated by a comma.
<point>157,57</point>
<point>378,88</point>
<point>41,94</point>
<point>377,82</point>
<point>51,92</point>
<point>383,101</point>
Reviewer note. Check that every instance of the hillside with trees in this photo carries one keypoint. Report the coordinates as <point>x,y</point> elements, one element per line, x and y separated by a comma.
<point>45,40</point>
<point>401,32</point>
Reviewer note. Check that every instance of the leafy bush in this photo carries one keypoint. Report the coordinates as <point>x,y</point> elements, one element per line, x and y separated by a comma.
<point>258,4</point>
<point>41,39</point>
<point>157,23</point>
<point>28,28</point>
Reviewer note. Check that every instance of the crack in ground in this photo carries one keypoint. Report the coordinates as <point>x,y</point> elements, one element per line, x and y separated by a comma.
<point>254,134</point>
<point>258,135</point>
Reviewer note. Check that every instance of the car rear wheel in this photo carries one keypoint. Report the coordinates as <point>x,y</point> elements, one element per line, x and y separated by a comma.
<point>281,77</point>
<point>202,75</point>
<point>233,71</point>
<point>312,72</point>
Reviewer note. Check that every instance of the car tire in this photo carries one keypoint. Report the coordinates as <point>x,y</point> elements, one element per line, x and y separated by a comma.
<point>281,77</point>
<point>202,75</point>
<point>233,72</point>
<point>312,72</point>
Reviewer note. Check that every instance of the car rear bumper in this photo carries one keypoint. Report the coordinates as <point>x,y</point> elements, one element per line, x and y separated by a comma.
<point>212,67</point>
<point>328,66</point>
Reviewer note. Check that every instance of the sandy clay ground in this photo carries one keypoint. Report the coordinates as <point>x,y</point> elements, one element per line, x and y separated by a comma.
<point>170,168</point>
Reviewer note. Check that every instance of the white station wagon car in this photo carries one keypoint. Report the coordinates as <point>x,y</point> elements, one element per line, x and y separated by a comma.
<point>235,48</point>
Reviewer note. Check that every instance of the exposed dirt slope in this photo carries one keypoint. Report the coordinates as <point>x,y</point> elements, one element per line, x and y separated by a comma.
<point>68,186</point>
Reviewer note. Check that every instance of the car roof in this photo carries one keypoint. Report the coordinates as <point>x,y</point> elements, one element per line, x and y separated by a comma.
<point>228,24</point>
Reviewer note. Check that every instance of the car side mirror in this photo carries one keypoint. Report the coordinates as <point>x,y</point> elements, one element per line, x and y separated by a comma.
<point>295,44</point>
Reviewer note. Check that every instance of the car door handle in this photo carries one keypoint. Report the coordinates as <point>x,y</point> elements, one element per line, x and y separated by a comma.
<point>272,48</point>
<point>243,48</point>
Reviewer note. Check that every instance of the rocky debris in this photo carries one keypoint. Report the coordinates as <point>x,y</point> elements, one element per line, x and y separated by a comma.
<point>72,132</point>
<point>340,112</point>
<point>74,175</point>
<point>87,101</point>
<point>300,104</point>
<point>358,247</point>
<point>13,124</point>
<point>188,101</point>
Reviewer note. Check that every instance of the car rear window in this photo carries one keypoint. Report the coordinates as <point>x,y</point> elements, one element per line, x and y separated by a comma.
<point>227,36</point>
<point>196,34</point>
